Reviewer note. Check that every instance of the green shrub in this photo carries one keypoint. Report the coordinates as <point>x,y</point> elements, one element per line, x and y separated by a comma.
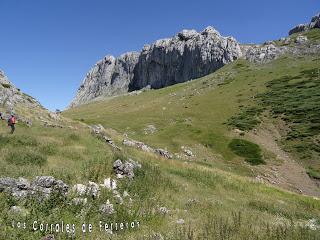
<point>25,157</point>
<point>5,85</point>
<point>250,151</point>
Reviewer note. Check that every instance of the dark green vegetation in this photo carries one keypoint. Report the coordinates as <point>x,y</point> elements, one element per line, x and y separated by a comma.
<point>293,98</point>
<point>6,85</point>
<point>250,151</point>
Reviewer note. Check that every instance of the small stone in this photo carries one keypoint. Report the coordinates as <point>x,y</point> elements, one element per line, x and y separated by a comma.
<point>107,208</point>
<point>79,189</point>
<point>180,221</point>
<point>163,210</point>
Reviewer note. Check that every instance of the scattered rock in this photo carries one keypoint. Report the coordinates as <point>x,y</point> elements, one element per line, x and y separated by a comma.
<point>139,145</point>
<point>93,190</point>
<point>262,54</point>
<point>301,39</point>
<point>49,237</point>
<point>192,202</point>
<point>109,183</point>
<point>164,153</point>
<point>98,130</point>
<point>79,189</point>
<point>107,208</point>
<point>150,129</point>
<point>313,225</point>
<point>187,151</point>
<point>180,221</point>
<point>125,169</point>
<point>41,186</point>
<point>163,210</point>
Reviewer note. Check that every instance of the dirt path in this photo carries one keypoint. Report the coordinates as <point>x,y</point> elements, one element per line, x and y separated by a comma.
<point>286,172</point>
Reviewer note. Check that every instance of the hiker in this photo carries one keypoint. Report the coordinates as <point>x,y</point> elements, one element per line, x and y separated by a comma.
<point>11,123</point>
<point>1,117</point>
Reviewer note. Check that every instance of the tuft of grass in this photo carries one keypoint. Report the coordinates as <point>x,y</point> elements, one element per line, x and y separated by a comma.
<point>25,157</point>
<point>250,151</point>
<point>246,119</point>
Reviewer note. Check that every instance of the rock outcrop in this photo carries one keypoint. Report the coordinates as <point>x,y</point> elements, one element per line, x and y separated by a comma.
<point>40,187</point>
<point>315,23</point>
<point>10,96</point>
<point>262,53</point>
<point>188,55</point>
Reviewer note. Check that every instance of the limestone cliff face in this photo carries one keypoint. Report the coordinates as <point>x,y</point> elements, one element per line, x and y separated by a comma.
<point>110,76</point>
<point>187,55</point>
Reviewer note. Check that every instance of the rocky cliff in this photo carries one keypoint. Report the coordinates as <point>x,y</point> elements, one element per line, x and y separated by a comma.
<point>314,23</point>
<point>187,55</point>
<point>11,97</point>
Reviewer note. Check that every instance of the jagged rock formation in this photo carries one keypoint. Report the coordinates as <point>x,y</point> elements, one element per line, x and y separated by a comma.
<point>188,55</point>
<point>262,53</point>
<point>315,23</point>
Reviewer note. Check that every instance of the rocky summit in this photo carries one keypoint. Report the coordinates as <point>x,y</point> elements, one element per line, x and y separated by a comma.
<point>314,23</point>
<point>186,56</point>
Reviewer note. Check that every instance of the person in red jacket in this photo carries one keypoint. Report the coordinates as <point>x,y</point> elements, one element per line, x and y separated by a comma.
<point>11,123</point>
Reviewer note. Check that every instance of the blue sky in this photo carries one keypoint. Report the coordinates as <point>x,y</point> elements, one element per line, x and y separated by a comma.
<point>47,46</point>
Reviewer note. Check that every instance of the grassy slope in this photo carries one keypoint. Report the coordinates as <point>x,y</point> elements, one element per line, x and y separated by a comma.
<point>194,114</point>
<point>227,203</point>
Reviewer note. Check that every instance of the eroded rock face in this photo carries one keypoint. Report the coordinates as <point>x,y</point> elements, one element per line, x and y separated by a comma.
<point>10,96</point>
<point>315,23</point>
<point>110,76</point>
<point>262,53</point>
<point>188,55</point>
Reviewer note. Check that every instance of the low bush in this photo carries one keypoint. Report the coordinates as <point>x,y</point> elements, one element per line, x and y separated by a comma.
<point>250,151</point>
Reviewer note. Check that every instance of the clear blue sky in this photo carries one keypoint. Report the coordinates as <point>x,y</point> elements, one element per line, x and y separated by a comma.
<point>47,46</point>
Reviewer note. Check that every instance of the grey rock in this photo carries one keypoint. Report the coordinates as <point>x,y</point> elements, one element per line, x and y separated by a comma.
<point>7,183</point>
<point>45,181</point>
<point>164,153</point>
<point>163,210</point>
<point>79,189</point>
<point>107,208</point>
<point>314,23</point>
<point>187,55</point>
<point>262,54</point>
<point>93,190</point>
<point>41,187</point>
<point>180,221</point>
<point>126,168</point>
<point>301,39</point>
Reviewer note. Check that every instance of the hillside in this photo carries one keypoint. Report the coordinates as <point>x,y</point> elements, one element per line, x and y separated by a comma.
<point>231,155</point>
<point>202,123</point>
